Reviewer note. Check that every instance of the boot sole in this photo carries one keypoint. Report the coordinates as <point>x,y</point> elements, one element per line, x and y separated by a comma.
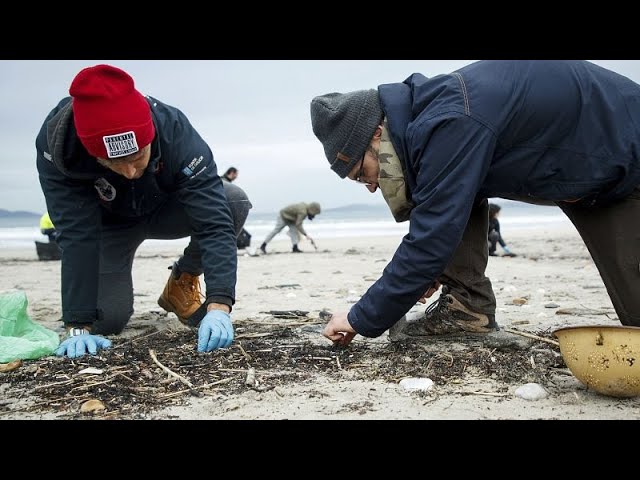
<point>167,307</point>
<point>402,337</point>
<point>396,333</point>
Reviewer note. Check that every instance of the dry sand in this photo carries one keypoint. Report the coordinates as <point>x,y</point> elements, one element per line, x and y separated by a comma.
<point>552,266</point>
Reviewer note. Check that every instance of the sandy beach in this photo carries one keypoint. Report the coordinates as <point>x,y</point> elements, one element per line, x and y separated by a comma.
<point>280,366</point>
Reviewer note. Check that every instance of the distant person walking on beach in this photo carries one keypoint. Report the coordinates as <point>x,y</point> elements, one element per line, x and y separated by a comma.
<point>495,236</point>
<point>563,133</point>
<point>293,216</point>
<point>116,168</point>
<point>231,174</point>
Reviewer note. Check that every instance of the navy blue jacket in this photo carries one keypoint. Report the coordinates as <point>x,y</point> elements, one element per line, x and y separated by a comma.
<point>561,131</point>
<point>73,183</point>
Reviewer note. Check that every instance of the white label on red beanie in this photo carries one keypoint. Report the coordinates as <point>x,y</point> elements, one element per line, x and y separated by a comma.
<point>120,144</point>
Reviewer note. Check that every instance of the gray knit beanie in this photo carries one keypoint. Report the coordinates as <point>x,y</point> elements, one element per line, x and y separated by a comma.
<point>345,124</point>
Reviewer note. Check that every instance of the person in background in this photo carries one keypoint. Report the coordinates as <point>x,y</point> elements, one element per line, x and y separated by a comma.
<point>244,237</point>
<point>231,174</point>
<point>47,228</point>
<point>494,236</point>
<point>557,132</point>
<point>293,216</point>
<point>116,168</point>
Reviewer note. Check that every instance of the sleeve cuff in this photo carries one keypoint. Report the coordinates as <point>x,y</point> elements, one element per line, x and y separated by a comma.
<point>228,301</point>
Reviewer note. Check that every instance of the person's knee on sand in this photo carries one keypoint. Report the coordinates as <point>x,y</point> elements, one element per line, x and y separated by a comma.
<point>112,321</point>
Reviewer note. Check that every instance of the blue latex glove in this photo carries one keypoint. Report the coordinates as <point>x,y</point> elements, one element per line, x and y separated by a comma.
<point>74,347</point>
<point>506,249</point>
<point>215,331</point>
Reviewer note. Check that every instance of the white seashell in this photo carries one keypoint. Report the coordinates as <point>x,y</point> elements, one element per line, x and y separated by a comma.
<point>531,391</point>
<point>416,384</point>
<point>90,371</point>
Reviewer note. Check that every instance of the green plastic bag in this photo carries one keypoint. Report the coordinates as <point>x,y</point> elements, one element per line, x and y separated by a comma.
<point>21,337</point>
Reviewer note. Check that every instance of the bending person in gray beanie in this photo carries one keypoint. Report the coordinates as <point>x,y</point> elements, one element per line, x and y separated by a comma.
<point>293,216</point>
<point>563,133</point>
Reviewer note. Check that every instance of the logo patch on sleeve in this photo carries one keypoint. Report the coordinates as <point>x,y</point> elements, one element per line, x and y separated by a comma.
<point>121,144</point>
<point>191,169</point>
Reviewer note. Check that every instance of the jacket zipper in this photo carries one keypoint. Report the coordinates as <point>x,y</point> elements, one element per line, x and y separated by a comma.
<point>133,196</point>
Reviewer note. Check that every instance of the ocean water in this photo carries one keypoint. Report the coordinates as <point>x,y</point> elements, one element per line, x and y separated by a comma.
<point>17,233</point>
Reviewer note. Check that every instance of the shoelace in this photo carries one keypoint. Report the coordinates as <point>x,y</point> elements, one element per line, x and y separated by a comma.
<point>439,304</point>
<point>193,287</point>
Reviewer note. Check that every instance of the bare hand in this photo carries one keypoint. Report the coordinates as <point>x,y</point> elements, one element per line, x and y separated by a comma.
<point>339,330</point>
<point>435,286</point>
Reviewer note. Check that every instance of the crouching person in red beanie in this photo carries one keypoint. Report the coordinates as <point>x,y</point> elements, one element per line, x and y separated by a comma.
<point>116,168</point>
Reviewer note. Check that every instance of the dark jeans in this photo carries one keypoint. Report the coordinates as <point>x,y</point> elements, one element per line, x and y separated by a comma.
<point>121,240</point>
<point>611,233</point>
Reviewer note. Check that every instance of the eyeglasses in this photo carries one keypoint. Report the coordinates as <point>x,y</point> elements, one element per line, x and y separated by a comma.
<point>360,172</point>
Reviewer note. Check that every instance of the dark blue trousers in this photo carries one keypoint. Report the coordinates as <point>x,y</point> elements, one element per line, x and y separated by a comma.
<point>120,241</point>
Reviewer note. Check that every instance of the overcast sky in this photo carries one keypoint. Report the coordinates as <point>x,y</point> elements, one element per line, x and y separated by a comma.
<point>253,113</point>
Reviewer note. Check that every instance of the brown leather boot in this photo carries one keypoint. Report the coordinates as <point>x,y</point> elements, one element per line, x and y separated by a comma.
<point>181,295</point>
<point>445,316</point>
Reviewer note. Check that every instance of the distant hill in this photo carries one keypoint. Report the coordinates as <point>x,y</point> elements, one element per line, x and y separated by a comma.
<point>357,208</point>
<point>363,211</point>
<point>18,214</point>
<point>353,211</point>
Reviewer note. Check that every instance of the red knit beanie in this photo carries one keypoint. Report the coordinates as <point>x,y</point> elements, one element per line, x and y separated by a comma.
<point>112,118</point>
